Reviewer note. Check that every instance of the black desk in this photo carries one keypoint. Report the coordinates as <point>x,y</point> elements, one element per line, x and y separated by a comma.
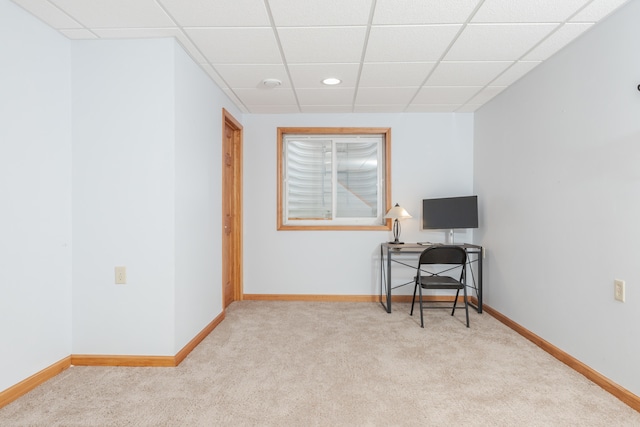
<point>389,250</point>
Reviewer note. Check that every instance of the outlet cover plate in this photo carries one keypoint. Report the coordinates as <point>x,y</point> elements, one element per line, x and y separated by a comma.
<point>618,290</point>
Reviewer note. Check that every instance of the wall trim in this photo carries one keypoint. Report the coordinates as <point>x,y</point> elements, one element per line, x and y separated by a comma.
<point>124,360</point>
<point>618,391</point>
<point>147,361</point>
<point>23,387</point>
<point>310,297</point>
<point>182,354</point>
<point>12,393</point>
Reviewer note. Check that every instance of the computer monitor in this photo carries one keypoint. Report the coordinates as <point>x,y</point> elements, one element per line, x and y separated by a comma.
<point>449,213</point>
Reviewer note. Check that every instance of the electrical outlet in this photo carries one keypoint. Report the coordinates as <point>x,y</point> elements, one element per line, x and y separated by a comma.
<point>618,290</point>
<point>121,275</point>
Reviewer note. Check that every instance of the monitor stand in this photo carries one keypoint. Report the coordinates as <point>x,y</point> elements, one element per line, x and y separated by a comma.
<point>448,237</point>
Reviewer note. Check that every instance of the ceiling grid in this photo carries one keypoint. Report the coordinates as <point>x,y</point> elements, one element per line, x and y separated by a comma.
<point>390,55</point>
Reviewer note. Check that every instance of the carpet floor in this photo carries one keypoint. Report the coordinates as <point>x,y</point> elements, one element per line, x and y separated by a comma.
<point>333,364</point>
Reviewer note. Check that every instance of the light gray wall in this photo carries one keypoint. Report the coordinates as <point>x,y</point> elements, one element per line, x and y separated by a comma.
<point>146,195</point>
<point>110,155</point>
<point>123,196</point>
<point>198,209</point>
<point>556,169</point>
<point>35,188</point>
<point>432,156</point>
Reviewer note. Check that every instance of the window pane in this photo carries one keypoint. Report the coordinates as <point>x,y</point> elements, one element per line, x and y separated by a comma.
<point>357,186</point>
<point>309,179</point>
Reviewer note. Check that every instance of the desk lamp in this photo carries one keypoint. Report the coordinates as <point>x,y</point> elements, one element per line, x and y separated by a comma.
<point>397,213</point>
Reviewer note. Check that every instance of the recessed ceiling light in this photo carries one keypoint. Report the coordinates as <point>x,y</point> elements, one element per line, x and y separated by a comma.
<point>331,81</point>
<point>271,83</point>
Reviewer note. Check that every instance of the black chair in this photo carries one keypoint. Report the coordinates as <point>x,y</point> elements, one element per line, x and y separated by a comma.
<point>451,261</point>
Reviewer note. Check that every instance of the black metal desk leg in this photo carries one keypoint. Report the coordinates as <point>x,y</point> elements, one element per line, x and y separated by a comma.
<point>388,279</point>
<point>385,285</point>
<point>480,291</point>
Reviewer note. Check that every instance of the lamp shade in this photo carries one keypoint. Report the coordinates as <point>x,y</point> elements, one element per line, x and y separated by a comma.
<point>397,212</point>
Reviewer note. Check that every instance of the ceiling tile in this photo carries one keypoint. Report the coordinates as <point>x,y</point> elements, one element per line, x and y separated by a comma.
<point>326,108</point>
<point>273,109</point>
<point>385,74</point>
<point>221,13</point>
<point>486,94</point>
<point>527,10</point>
<point>232,96</point>
<point>445,94</point>
<point>190,47</point>
<point>468,108</point>
<point>597,10</point>
<point>79,34</point>
<point>236,45</point>
<point>514,73</point>
<point>49,13</point>
<point>250,76</point>
<point>326,96</point>
<point>311,75</point>
<point>385,95</point>
<point>297,13</point>
<point>328,44</point>
<point>215,76</point>
<point>556,41</point>
<point>151,33</point>
<point>398,43</point>
<point>239,43</point>
<point>384,108</point>
<point>116,13</point>
<point>277,96</point>
<point>136,33</point>
<point>432,108</point>
<point>475,73</point>
<point>423,12</point>
<point>499,42</point>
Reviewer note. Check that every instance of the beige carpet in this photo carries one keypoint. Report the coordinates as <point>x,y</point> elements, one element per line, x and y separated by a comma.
<point>333,364</point>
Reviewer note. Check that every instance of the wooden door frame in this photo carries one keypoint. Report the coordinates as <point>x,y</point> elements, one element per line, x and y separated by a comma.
<point>236,226</point>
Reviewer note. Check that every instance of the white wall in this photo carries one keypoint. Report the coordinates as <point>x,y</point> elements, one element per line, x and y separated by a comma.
<point>123,196</point>
<point>147,195</point>
<point>198,208</point>
<point>35,186</point>
<point>432,156</point>
<point>556,169</point>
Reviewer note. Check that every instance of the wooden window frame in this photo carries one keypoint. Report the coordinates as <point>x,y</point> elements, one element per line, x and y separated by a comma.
<point>385,132</point>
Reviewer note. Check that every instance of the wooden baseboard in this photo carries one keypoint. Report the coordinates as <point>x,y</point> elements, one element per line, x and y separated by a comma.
<point>12,393</point>
<point>305,297</point>
<point>147,361</point>
<point>23,387</point>
<point>124,360</point>
<point>182,354</point>
<point>620,392</point>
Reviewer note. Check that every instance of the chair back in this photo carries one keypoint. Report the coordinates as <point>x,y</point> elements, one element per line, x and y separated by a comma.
<point>443,255</point>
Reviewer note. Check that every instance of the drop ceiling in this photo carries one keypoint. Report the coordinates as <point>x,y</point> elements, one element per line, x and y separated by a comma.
<point>391,55</point>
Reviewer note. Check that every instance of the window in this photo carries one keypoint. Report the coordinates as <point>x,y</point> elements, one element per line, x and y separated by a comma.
<point>333,178</point>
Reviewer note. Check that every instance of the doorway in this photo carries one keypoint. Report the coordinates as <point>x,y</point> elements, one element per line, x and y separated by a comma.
<point>231,209</point>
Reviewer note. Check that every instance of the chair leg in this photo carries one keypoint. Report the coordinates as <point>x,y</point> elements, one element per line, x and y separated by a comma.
<point>413,301</point>
<point>421,311</point>
<point>455,302</point>
<point>466,304</point>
